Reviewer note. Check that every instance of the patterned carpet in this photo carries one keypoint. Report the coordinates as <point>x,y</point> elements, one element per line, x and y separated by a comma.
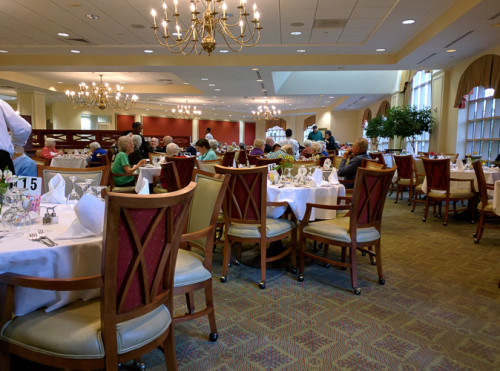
<point>438,310</point>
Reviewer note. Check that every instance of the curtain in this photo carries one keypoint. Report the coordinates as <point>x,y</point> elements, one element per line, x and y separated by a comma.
<point>406,77</point>
<point>367,116</point>
<point>382,109</point>
<point>309,121</point>
<point>272,123</point>
<point>485,72</point>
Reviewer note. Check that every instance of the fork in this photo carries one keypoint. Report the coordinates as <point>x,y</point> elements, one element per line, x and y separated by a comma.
<point>35,237</point>
<point>43,236</point>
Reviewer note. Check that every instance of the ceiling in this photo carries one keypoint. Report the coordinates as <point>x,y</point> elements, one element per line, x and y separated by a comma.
<point>338,66</point>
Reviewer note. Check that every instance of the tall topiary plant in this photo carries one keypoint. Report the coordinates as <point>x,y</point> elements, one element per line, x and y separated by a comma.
<point>408,122</point>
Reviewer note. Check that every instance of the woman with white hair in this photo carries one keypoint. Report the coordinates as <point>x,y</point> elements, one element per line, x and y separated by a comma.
<point>96,150</point>
<point>136,155</point>
<point>172,150</point>
<point>122,164</point>
<point>50,150</point>
<point>308,150</point>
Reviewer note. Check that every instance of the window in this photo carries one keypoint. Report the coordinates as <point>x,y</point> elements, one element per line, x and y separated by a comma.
<point>421,98</point>
<point>483,124</point>
<point>277,133</point>
<point>307,131</point>
<point>91,122</point>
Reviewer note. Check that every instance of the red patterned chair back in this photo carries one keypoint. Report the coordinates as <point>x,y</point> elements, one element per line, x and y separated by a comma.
<point>481,182</point>
<point>242,157</point>
<point>437,173</point>
<point>406,167</point>
<point>322,159</point>
<point>228,158</point>
<point>379,156</point>
<point>252,159</point>
<point>169,178</point>
<point>185,168</point>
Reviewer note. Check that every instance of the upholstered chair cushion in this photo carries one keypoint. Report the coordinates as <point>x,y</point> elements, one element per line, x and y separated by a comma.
<point>74,331</point>
<point>488,207</point>
<point>274,227</point>
<point>159,190</point>
<point>456,194</point>
<point>406,181</point>
<point>418,188</point>
<point>129,189</point>
<point>338,229</point>
<point>189,269</point>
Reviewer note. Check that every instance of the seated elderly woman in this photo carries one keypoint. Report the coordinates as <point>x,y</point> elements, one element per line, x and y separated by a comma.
<point>50,150</point>
<point>122,164</point>
<point>258,147</point>
<point>308,150</point>
<point>172,150</point>
<point>136,155</point>
<point>285,152</point>
<point>206,153</point>
<point>96,150</point>
<point>213,144</point>
<point>318,150</point>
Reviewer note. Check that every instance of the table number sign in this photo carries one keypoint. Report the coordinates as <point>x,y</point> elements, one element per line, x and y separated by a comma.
<point>32,184</point>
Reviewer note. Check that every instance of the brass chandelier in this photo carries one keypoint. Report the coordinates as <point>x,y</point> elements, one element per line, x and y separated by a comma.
<point>201,33</point>
<point>267,113</point>
<point>101,96</point>
<point>184,111</point>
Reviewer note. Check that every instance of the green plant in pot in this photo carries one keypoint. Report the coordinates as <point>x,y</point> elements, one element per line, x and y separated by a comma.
<point>377,128</point>
<point>408,122</point>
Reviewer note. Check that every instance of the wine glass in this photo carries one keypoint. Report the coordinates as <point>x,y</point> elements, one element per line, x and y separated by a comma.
<point>97,190</point>
<point>73,197</point>
<point>89,182</point>
<point>83,186</point>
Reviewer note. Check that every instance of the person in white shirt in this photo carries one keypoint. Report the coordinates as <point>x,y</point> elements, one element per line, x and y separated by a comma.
<point>208,135</point>
<point>292,142</point>
<point>19,129</point>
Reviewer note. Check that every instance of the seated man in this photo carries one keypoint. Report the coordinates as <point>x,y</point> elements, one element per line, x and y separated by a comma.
<point>154,144</point>
<point>357,154</point>
<point>269,145</point>
<point>23,165</point>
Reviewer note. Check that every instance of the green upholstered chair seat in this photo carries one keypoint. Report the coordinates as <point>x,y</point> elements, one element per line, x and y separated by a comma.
<point>274,227</point>
<point>406,181</point>
<point>456,194</point>
<point>189,269</point>
<point>124,189</point>
<point>74,331</point>
<point>489,206</point>
<point>338,230</point>
<point>159,190</point>
<point>419,187</point>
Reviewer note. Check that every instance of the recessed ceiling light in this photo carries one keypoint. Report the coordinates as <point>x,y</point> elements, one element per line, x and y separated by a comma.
<point>223,51</point>
<point>185,83</point>
<point>148,51</point>
<point>296,33</point>
<point>301,51</point>
<point>63,34</point>
<point>255,69</point>
<point>92,16</point>
<point>259,80</point>
<point>408,21</point>
<point>204,79</point>
<point>4,51</point>
<point>264,90</point>
<point>74,51</point>
<point>60,82</point>
<point>380,50</point>
<point>331,97</point>
<point>211,84</point>
<point>217,89</point>
<point>451,51</point>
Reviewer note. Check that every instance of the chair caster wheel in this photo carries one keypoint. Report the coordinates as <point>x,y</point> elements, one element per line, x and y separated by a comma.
<point>327,265</point>
<point>223,279</point>
<point>300,278</point>
<point>140,365</point>
<point>476,240</point>
<point>381,281</point>
<point>474,234</point>
<point>374,262</point>
<point>262,285</point>
<point>294,270</point>
<point>363,253</point>
<point>445,224</point>
<point>472,222</point>
<point>357,291</point>
<point>236,262</point>
<point>424,220</point>
<point>213,336</point>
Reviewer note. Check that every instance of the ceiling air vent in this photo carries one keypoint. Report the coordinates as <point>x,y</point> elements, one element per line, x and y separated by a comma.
<point>329,23</point>
<point>458,39</point>
<point>494,17</point>
<point>430,56</point>
<point>80,40</point>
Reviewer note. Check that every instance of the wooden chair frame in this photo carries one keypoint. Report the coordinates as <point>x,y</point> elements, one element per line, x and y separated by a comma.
<point>406,171</point>
<point>104,169</point>
<point>210,163</point>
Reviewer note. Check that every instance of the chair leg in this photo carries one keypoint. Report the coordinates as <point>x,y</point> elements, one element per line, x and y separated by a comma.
<point>169,350</point>
<point>225,260</point>
<point>426,211</point>
<point>354,270</point>
<point>446,209</point>
<point>263,255</point>
<point>302,243</point>
<point>209,301</point>
<point>378,253</point>
<point>397,194</point>
<point>293,251</point>
<point>190,302</point>
<point>5,360</point>
<point>480,228</point>
<point>410,195</point>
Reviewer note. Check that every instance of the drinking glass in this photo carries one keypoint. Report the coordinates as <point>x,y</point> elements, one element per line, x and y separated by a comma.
<point>83,186</point>
<point>73,196</point>
<point>97,190</point>
<point>89,185</point>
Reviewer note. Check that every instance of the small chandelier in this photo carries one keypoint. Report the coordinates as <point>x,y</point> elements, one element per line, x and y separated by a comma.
<point>201,32</point>
<point>101,96</point>
<point>185,112</point>
<point>266,113</point>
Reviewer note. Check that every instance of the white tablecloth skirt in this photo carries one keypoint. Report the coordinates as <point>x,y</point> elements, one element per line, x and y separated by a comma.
<point>496,198</point>
<point>489,176</point>
<point>69,162</point>
<point>297,197</point>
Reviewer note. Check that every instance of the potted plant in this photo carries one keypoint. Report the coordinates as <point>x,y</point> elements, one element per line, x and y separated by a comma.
<point>377,128</point>
<point>408,122</point>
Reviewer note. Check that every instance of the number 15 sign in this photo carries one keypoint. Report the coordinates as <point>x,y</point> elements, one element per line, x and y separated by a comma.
<point>32,184</point>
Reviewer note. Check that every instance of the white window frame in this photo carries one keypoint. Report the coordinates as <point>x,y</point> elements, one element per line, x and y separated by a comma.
<point>421,95</point>
<point>277,133</point>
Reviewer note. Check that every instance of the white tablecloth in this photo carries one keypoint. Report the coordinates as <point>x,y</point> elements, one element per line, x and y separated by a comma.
<point>297,197</point>
<point>71,258</point>
<point>496,198</point>
<point>489,176</point>
<point>149,172</point>
<point>70,162</point>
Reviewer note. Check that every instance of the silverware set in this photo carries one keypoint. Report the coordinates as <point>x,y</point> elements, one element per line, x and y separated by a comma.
<point>41,237</point>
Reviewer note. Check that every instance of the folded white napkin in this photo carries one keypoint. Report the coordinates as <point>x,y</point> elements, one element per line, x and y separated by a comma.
<point>56,192</point>
<point>333,178</point>
<point>460,165</point>
<point>317,178</point>
<point>301,174</point>
<point>89,219</point>
<point>327,164</point>
<point>142,186</point>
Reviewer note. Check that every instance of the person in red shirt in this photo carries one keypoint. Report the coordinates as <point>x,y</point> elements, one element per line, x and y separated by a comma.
<point>50,150</point>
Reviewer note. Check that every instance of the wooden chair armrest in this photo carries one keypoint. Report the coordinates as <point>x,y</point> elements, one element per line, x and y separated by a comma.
<point>471,181</point>
<point>327,207</point>
<point>186,237</point>
<point>277,203</point>
<point>57,284</point>
<point>347,199</point>
<point>490,186</point>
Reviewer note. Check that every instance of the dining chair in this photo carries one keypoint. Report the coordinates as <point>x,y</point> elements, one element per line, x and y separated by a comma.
<point>244,210</point>
<point>252,159</point>
<point>373,164</point>
<point>359,229</point>
<point>121,189</point>
<point>297,164</point>
<point>485,206</point>
<point>242,158</point>
<point>98,174</point>
<point>168,180</point>
<point>208,165</point>
<point>418,192</point>
<point>185,168</point>
<point>405,176</point>
<point>322,159</point>
<point>193,270</point>
<point>153,155</point>
<point>264,161</point>
<point>379,156</point>
<point>228,159</point>
<point>133,314</point>
<point>437,175</point>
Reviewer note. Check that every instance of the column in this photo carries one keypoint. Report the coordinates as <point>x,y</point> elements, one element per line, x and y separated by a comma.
<point>33,104</point>
<point>195,123</point>
<point>242,131</point>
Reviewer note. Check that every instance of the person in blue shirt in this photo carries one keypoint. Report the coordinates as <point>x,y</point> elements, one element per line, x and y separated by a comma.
<point>96,150</point>
<point>23,165</point>
<point>315,135</point>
